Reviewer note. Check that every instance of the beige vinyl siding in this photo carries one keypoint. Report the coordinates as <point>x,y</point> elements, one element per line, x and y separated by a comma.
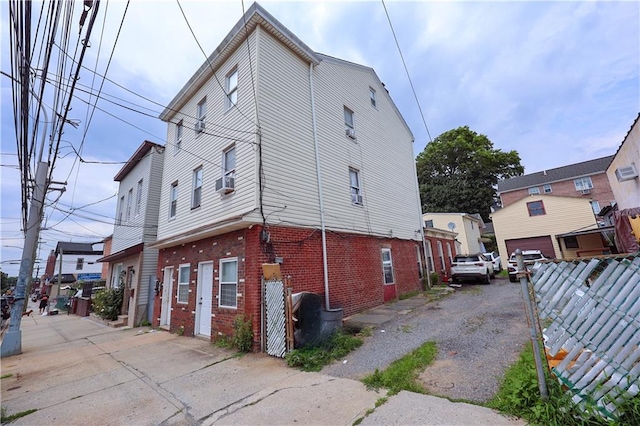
<point>627,193</point>
<point>205,149</point>
<point>562,215</point>
<point>585,242</point>
<point>382,153</point>
<point>467,236</point>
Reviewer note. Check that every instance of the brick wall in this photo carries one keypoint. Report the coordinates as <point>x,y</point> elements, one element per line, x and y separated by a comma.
<point>443,273</point>
<point>354,262</point>
<point>601,191</point>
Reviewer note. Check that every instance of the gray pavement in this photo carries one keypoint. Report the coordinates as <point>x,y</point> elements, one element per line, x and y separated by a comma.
<point>78,372</point>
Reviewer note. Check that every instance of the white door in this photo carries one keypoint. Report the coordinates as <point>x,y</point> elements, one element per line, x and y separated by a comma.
<point>205,299</point>
<point>167,292</point>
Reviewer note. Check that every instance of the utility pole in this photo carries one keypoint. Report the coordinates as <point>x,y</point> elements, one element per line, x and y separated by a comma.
<point>12,341</point>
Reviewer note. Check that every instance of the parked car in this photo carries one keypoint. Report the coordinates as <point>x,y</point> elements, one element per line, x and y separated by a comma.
<point>530,258</point>
<point>472,267</point>
<point>494,257</point>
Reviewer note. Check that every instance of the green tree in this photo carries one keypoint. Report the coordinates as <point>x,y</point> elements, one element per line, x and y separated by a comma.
<point>459,171</point>
<point>7,281</point>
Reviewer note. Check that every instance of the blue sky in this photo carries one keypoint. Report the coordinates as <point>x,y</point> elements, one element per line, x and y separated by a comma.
<point>557,81</point>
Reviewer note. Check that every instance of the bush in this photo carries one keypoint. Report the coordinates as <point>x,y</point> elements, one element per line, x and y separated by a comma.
<point>314,358</point>
<point>435,278</point>
<point>242,334</point>
<point>108,302</point>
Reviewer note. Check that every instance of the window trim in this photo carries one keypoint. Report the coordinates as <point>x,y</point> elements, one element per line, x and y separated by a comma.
<point>545,187</point>
<point>231,172</point>
<point>173,200</point>
<point>441,255</point>
<point>79,263</point>
<point>230,91</point>
<point>201,115</point>
<point>595,203</point>
<point>390,262</point>
<point>430,261</point>
<point>534,190</point>
<point>221,283</point>
<point>419,257</point>
<point>138,208</point>
<point>121,211</point>
<point>529,210</point>
<point>449,252</point>
<point>177,145</point>
<point>373,98</point>
<point>181,283</point>
<point>129,204</point>
<point>195,187</point>
<point>351,114</point>
<point>581,181</point>
<point>572,246</point>
<point>355,191</point>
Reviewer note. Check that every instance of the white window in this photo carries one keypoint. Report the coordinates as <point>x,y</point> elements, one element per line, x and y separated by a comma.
<point>229,162</point>
<point>196,196</point>
<point>596,207</point>
<point>232,88</point>
<point>449,253</point>
<point>129,202</point>
<point>387,266</point>
<point>441,255</point>
<point>121,211</point>
<point>178,144</point>
<point>372,96</point>
<point>534,191</point>
<point>201,115</point>
<point>356,193</point>
<point>183,283</point>
<point>116,276</point>
<point>139,198</point>
<point>582,184</point>
<point>173,196</point>
<point>430,254</point>
<point>348,119</point>
<point>419,257</point>
<point>228,283</point>
<point>547,188</point>
<point>80,263</point>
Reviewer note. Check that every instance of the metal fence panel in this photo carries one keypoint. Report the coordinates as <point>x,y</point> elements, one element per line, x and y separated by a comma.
<point>275,318</point>
<point>590,311</point>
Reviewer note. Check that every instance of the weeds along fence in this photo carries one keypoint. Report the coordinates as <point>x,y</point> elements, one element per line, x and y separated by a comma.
<point>590,313</point>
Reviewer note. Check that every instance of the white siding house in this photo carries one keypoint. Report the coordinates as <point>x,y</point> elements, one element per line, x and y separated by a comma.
<point>290,156</point>
<point>132,262</point>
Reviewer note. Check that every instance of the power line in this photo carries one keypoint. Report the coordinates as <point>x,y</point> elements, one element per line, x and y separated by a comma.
<point>424,121</point>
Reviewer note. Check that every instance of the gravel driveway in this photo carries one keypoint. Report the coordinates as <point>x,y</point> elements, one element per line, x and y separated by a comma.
<point>479,331</point>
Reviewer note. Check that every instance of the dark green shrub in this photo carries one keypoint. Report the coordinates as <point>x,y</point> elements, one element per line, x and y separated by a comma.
<point>314,358</point>
<point>242,334</point>
<point>107,303</point>
<point>435,278</point>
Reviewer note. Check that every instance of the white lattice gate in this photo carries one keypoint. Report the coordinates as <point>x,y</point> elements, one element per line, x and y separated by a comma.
<point>276,340</point>
<point>592,312</point>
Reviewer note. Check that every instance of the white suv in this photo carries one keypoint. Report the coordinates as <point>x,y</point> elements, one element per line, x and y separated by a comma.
<point>472,267</point>
<point>530,257</point>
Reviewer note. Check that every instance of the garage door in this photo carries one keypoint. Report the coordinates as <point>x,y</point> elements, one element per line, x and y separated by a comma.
<point>543,244</point>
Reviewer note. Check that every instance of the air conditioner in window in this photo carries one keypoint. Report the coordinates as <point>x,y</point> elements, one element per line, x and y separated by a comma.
<point>585,191</point>
<point>200,126</point>
<point>356,199</point>
<point>626,173</point>
<point>225,184</point>
<point>350,132</point>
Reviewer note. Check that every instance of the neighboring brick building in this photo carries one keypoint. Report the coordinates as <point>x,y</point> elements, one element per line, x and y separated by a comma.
<point>274,153</point>
<point>441,249</point>
<point>586,180</point>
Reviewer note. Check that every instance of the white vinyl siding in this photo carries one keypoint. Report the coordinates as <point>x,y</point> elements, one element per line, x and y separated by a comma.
<point>387,266</point>
<point>184,273</point>
<point>228,283</point>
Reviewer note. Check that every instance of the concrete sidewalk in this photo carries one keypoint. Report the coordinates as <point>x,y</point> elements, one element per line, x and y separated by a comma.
<point>77,372</point>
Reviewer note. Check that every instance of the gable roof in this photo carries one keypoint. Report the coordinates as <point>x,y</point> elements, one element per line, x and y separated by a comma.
<point>254,16</point>
<point>626,137</point>
<point>572,171</point>
<point>76,248</point>
<point>135,159</point>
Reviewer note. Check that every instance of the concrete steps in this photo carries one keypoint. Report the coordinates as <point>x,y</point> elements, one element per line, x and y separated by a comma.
<point>120,322</point>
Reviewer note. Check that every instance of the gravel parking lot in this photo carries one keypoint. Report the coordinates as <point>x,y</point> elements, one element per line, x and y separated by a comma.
<point>479,331</point>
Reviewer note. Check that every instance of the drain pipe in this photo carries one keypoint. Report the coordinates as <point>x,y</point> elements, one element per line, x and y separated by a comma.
<point>427,268</point>
<point>324,234</point>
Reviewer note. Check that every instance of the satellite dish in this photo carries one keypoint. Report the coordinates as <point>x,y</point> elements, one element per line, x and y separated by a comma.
<point>451,226</point>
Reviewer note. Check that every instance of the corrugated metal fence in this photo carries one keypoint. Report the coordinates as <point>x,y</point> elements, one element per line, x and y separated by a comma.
<point>590,312</point>
<point>275,318</point>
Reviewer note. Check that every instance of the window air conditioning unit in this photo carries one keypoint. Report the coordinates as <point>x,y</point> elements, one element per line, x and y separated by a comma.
<point>225,184</point>
<point>626,173</point>
<point>350,132</point>
<point>585,191</point>
<point>200,126</point>
<point>356,199</point>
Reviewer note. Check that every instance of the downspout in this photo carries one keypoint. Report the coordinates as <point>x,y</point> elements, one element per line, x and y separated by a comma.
<point>324,234</point>
<point>424,242</point>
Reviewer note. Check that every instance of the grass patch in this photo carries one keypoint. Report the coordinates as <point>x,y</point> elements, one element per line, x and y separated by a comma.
<point>408,295</point>
<point>402,374</point>
<point>519,396</point>
<point>314,358</point>
<point>6,376</point>
<point>8,419</point>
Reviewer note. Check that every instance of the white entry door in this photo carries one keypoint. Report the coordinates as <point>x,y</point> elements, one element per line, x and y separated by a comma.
<point>205,299</point>
<point>167,293</point>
